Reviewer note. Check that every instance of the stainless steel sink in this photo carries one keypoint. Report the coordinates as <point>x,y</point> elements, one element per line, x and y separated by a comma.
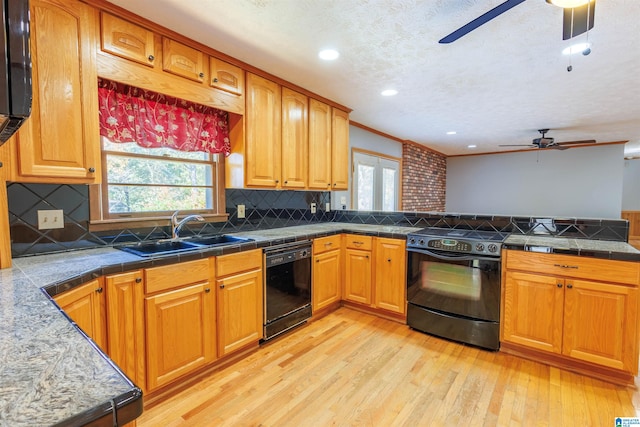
<point>166,247</point>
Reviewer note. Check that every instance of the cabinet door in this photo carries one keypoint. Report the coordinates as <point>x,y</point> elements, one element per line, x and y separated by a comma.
<point>127,40</point>
<point>357,282</point>
<point>125,324</point>
<point>61,138</point>
<point>340,150</point>
<point>295,139</point>
<point>319,145</point>
<point>180,326</point>
<point>182,60</point>
<point>390,274</point>
<point>227,77</point>
<point>85,305</point>
<point>533,311</point>
<point>600,324</point>
<point>326,279</point>
<point>263,132</point>
<point>240,311</point>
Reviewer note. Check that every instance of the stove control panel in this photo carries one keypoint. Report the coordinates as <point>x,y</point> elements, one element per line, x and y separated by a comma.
<point>455,245</point>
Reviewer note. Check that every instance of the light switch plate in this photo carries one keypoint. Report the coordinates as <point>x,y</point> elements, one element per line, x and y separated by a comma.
<point>343,200</point>
<point>241,213</point>
<point>313,208</point>
<point>49,219</point>
<point>327,207</point>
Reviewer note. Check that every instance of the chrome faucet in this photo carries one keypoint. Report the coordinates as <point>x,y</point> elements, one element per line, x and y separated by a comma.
<point>176,225</point>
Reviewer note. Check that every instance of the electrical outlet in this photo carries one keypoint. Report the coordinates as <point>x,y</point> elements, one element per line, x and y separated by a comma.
<point>313,208</point>
<point>343,200</point>
<point>48,219</point>
<point>241,213</point>
<point>327,207</point>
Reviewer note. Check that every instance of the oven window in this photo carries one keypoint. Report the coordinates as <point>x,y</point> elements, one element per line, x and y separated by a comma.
<point>452,280</point>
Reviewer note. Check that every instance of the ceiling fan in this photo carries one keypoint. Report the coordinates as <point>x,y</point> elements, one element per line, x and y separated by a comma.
<point>546,142</point>
<point>576,20</point>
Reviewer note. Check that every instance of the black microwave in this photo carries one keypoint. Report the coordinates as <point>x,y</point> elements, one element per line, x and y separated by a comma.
<point>15,67</point>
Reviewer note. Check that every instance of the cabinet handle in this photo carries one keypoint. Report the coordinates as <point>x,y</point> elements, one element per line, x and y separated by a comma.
<point>207,290</point>
<point>99,290</point>
<point>569,286</point>
<point>222,286</point>
<point>559,285</point>
<point>151,58</point>
<point>215,80</point>
<point>92,170</point>
<point>565,266</point>
<point>201,75</point>
<point>358,243</point>
<point>328,244</point>
<point>138,279</point>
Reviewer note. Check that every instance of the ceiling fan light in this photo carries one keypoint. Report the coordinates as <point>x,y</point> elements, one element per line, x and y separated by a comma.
<point>568,4</point>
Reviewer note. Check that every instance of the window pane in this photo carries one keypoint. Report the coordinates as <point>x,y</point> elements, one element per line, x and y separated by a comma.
<point>131,147</point>
<point>139,170</point>
<point>365,187</point>
<point>388,189</point>
<point>127,198</point>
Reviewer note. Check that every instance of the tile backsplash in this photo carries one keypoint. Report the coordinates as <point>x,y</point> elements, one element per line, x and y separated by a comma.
<point>263,209</point>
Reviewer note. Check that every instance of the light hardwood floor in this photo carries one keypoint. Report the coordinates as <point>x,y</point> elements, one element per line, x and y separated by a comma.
<point>353,369</point>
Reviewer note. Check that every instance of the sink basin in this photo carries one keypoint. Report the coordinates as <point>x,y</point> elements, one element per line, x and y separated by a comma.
<point>174,246</point>
<point>159,248</point>
<point>218,240</point>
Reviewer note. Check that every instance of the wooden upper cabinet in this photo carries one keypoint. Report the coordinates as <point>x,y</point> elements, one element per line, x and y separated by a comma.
<point>295,139</point>
<point>319,145</point>
<point>340,150</point>
<point>127,40</point>
<point>182,60</point>
<point>225,76</point>
<point>60,142</point>
<point>263,132</point>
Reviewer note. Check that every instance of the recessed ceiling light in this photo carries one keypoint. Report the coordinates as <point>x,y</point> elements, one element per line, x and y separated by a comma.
<point>471,146</point>
<point>329,54</point>
<point>576,48</point>
<point>568,4</point>
<point>451,132</point>
<point>389,92</point>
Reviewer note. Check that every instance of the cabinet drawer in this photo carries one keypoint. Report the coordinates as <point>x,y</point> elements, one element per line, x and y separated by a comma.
<point>226,77</point>
<point>324,244</point>
<point>127,40</point>
<point>182,60</point>
<point>355,241</point>
<point>174,275</point>
<point>236,263</point>
<point>574,266</point>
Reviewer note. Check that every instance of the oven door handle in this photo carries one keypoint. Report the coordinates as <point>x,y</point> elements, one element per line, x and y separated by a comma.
<point>453,257</point>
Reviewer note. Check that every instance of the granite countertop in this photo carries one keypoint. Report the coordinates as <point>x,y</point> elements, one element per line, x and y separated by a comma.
<point>51,373</point>
<point>620,251</point>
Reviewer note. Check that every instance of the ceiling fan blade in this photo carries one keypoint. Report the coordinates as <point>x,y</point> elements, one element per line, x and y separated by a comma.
<point>578,20</point>
<point>482,19</point>
<point>586,141</point>
<point>517,145</point>
<point>557,147</point>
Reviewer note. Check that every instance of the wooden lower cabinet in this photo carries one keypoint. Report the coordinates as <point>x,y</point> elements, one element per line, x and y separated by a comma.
<point>578,321</point>
<point>85,305</point>
<point>390,275</point>
<point>326,272</point>
<point>181,337</point>
<point>357,281</point>
<point>125,324</point>
<point>239,300</point>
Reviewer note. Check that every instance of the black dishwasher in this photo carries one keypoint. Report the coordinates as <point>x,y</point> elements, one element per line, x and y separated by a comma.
<point>287,282</point>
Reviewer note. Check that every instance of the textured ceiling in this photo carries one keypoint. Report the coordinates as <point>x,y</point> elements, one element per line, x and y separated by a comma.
<point>496,85</point>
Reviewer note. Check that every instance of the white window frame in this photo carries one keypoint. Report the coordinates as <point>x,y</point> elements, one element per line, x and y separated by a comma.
<point>379,162</point>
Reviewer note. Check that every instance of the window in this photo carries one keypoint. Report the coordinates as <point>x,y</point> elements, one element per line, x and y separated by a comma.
<point>376,181</point>
<point>159,154</point>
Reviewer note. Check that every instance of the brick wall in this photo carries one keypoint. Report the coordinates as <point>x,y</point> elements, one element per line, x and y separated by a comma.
<point>424,179</point>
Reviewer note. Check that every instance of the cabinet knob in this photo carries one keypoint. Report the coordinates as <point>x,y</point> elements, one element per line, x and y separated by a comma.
<point>335,184</point>
<point>329,185</point>
<point>215,80</point>
<point>389,260</point>
<point>138,279</point>
<point>207,290</point>
<point>286,182</point>
<point>201,75</point>
<point>0,164</point>
<point>317,260</point>
<point>367,256</point>
<point>559,285</point>
<point>151,58</point>
<point>569,286</point>
<point>99,290</point>
<point>92,170</point>
<point>277,181</point>
<point>222,286</point>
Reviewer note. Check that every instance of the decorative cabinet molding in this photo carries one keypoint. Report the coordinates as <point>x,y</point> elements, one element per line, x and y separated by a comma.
<point>127,40</point>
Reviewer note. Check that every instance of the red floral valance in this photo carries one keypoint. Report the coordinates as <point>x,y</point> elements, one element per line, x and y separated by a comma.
<point>131,114</point>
